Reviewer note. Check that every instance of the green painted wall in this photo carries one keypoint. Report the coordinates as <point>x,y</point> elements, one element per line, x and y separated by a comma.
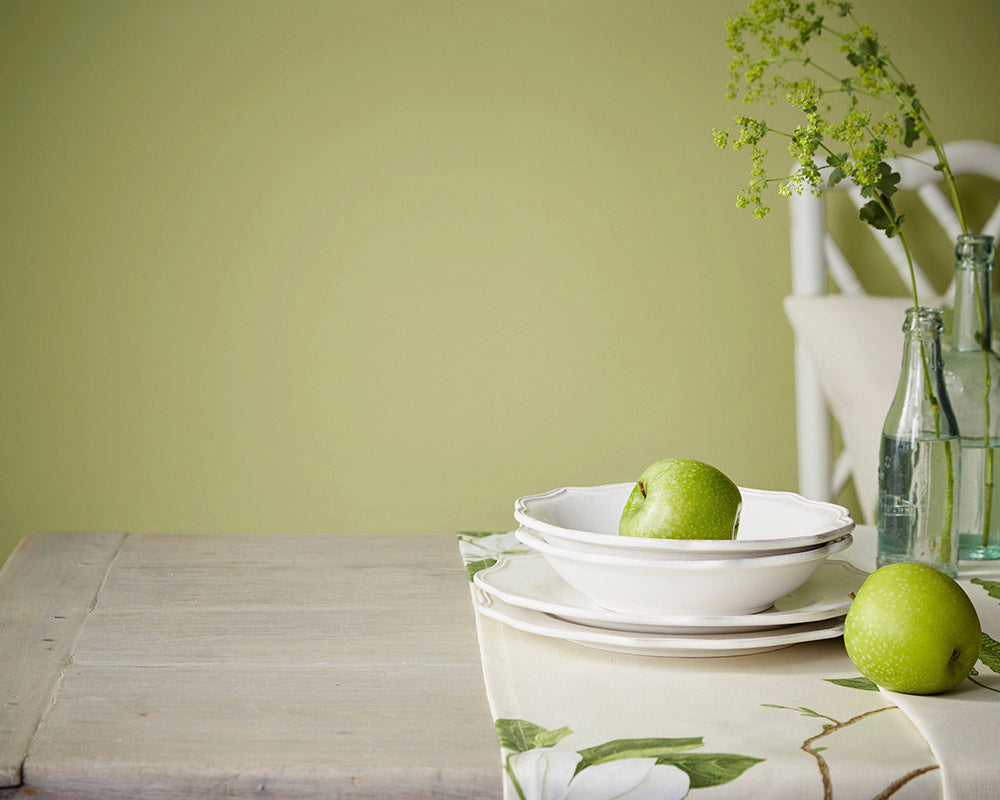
<point>385,266</point>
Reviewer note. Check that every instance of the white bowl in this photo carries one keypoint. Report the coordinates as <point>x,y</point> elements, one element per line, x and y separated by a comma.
<point>742,585</point>
<point>586,518</point>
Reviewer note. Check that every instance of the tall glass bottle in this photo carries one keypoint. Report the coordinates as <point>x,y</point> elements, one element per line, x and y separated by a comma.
<point>972,375</point>
<point>918,476</point>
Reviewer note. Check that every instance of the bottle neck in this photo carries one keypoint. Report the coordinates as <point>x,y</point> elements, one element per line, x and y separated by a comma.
<point>921,406</point>
<point>922,349</point>
<point>972,324</point>
<point>973,321</point>
<point>921,368</point>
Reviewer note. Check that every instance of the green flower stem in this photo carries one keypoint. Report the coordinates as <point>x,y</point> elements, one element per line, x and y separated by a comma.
<point>987,381</point>
<point>513,778</point>
<point>949,180</point>
<point>935,406</point>
<point>950,485</point>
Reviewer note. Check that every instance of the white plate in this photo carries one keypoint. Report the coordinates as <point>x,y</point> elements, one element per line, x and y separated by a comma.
<point>527,581</point>
<point>586,517</point>
<point>643,585</point>
<point>656,644</point>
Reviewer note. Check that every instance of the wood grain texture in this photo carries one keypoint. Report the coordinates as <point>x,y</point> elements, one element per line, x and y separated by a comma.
<point>325,731</point>
<point>273,666</point>
<point>47,588</point>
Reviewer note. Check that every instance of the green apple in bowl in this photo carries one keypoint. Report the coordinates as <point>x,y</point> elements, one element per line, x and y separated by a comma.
<point>912,629</point>
<point>680,498</point>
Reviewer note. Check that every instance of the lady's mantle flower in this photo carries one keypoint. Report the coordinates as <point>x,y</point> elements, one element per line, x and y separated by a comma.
<point>546,773</point>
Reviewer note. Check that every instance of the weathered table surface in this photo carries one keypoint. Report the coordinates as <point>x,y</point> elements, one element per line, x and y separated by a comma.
<point>305,666</point>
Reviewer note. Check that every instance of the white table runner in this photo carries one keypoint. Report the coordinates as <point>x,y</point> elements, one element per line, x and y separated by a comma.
<point>575,722</point>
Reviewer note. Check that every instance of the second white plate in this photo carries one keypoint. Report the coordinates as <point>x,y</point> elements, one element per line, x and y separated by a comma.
<point>657,644</point>
<point>528,582</point>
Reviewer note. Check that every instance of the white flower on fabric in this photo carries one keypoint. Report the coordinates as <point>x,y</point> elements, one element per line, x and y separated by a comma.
<point>630,779</point>
<point>544,773</point>
<point>547,774</point>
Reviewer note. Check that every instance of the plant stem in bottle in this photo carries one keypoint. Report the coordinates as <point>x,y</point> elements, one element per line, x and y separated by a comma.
<point>914,513</point>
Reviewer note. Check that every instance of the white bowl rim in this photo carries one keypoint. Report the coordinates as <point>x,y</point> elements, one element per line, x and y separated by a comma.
<point>533,540</point>
<point>842,525</point>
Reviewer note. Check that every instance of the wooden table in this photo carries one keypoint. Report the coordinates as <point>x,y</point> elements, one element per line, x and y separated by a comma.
<point>305,666</point>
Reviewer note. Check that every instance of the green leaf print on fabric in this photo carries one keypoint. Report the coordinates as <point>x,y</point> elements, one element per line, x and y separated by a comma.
<point>805,712</point>
<point>989,648</point>
<point>482,550</point>
<point>472,567</point>
<point>861,682</point>
<point>992,587</point>
<point>710,769</point>
<point>520,735</point>
<point>636,748</point>
<point>989,652</point>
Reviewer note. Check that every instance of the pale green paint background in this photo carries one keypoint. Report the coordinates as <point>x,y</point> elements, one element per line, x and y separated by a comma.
<point>384,266</point>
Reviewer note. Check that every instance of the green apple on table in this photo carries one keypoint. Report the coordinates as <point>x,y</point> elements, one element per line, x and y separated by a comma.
<point>912,629</point>
<point>681,498</point>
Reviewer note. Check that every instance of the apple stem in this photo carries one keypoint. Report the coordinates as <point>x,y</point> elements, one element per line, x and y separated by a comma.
<point>642,489</point>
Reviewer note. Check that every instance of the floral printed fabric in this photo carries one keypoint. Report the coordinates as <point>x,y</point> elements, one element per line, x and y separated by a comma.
<point>800,722</point>
<point>551,773</point>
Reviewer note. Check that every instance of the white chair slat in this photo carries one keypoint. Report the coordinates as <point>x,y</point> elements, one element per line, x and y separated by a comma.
<point>840,269</point>
<point>841,473</point>
<point>941,208</point>
<point>992,226</point>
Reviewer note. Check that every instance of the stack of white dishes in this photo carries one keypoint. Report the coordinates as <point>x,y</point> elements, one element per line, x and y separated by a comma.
<point>772,586</point>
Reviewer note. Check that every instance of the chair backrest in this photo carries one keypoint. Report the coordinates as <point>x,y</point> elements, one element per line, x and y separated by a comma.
<point>816,257</point>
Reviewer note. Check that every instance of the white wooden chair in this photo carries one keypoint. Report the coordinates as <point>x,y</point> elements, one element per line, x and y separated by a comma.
<point>816,257</point>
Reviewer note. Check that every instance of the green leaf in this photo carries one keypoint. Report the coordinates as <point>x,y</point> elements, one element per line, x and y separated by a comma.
<point>989,652</point>
<point>520,735</point>
<point>838,174</point>
<point>472,567</point>
<point>516,734</point>
<point>884,185</point>
<point>875,215</point>
<point>855,683</point>
<point>710,769</point>
<point>636,748</point>
<point>551,738</point>
<point>867,54</point>
<point>911,133</point>
<point>992,587</point>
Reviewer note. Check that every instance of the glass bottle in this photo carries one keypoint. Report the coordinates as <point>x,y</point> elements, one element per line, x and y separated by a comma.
<point>972,375</point>
<point>918,475</point>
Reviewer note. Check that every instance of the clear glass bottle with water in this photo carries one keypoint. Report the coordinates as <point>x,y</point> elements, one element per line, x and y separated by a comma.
<point>972,375</point>
<point>918,476</point>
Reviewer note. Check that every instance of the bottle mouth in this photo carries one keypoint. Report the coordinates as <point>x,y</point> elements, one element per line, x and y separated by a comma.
<point>923,318</point>
<point>974,251</point>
